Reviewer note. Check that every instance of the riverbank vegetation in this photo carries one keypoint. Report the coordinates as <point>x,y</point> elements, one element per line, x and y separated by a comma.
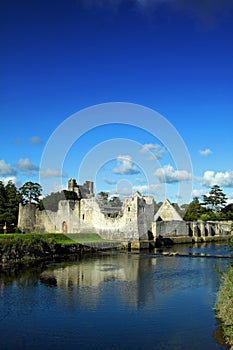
<point>29,247</point>
<point>224,304</point>
<point>56,238</point>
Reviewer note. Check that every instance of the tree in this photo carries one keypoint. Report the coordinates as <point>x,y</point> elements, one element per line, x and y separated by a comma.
<point>157,206</point>
<point>209,215</point>
<point>9,205</point>
<point>215,200</point>
<point>178,209</point>
<point>3,200</point>
<point>194,211</point>
<point>50,202</point>
<point>103,197</point>
<point>12,204</point>
<point>115,202</point>
<point>31,192</point>
<point>227,212</point>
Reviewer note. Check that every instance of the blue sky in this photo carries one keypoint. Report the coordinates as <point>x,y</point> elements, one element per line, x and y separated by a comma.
<point>171,56</point>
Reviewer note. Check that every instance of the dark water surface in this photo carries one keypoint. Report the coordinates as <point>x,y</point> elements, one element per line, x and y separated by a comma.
<point>114,301</point>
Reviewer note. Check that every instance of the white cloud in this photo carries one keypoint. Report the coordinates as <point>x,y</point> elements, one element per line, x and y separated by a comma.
<point>149,147</point>
<point>109,181</point>
<point>211,178</point>
<point>155,150</point>
<point>125,191</point>
<point>144,189</point>
<point>28,168</point>
<point>230,198</point>
<point>35,140</point>
<point>51,173</point>
<point>205,152</point>
<point>14,179</point>
<point>58,187</point>
<point>168,174</point>
<point>6,169</point>
<point>198,193</point>
<point>125,166</point>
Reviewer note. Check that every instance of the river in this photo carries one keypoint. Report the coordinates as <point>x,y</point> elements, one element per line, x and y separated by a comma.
<point>114,301</point>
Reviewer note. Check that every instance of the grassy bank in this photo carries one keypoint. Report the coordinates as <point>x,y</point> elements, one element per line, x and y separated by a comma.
<point>224,306</point>
<point>59,238</point>
<point>16,248</point>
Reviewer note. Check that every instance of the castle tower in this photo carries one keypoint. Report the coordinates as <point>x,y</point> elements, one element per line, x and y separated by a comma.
<point>83,191</point>
<point>72,185</point>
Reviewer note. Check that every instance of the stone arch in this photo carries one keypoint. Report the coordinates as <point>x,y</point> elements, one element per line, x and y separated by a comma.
<point>212,230</point>
<point>190,231</point>
<point>150,235</point>
<point>198,231</point>
<point>64,227</point>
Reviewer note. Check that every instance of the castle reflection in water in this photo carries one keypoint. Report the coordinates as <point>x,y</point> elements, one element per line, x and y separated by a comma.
<point>122,272</point>
<point>134,278</point>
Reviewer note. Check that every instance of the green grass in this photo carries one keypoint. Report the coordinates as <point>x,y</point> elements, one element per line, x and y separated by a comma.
<point>57,237</point>
<point>224,305</point>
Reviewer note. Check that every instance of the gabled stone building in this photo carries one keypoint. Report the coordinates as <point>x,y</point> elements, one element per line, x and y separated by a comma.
<point>167,213</point>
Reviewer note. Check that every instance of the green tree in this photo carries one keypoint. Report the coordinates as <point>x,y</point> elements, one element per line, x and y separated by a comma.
<point>9,205</point>
<point>194,210</point>
<point>13,199</point>
<point>178,209</point>
<point>157,206</point>
<point>3,201</point>
<point>227,212</point>
<point>31,192</point>
<point>50,202</point>
<point>115,202</point>
<point>103,197</point>
<point>209,215</point>
<point>215,201</point>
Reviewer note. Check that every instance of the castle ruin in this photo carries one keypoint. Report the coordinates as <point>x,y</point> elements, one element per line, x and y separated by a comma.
<point>134,221</point>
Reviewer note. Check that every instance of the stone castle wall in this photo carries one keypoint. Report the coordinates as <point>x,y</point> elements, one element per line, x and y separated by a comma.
<point>133,220</point>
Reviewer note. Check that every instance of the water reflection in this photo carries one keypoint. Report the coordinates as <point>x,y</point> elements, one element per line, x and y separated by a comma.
<point>93,272</point>
<point>133,278</point>
<point>111,301</point>
<point>88,278</point>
